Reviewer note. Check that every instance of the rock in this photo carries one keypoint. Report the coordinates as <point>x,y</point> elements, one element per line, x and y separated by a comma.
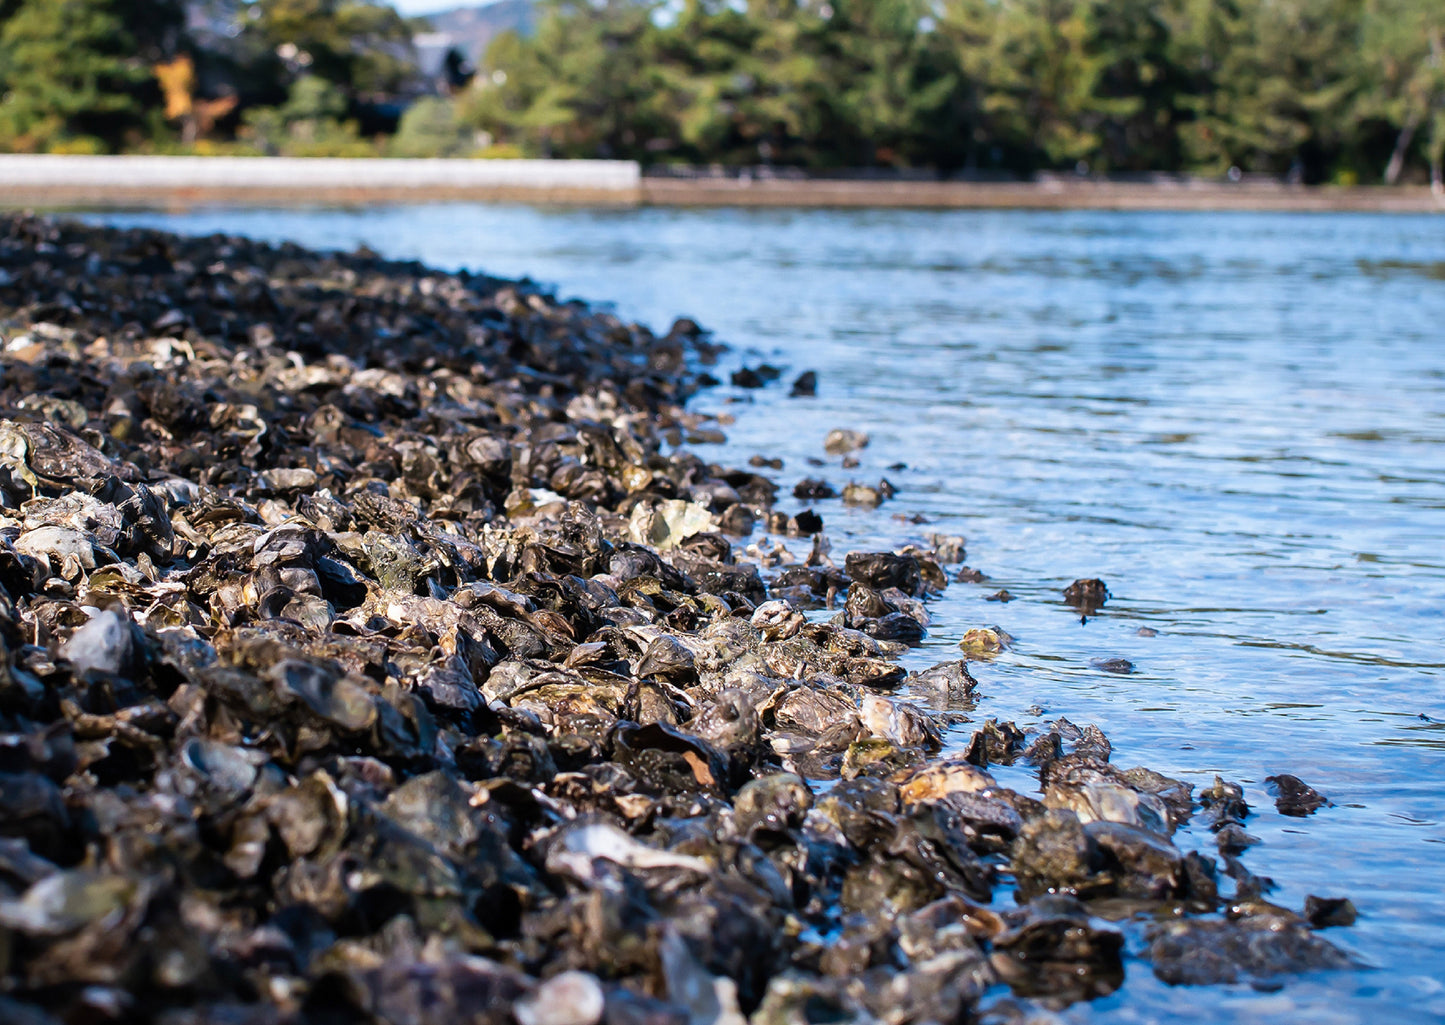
<point>1293,796</point>
<point>1088,595</point>
<point>840,442</point>
<point>900,722</point>
<point>1223,804</point>
<point>777,620</point>
<point>772,804</point>
<point>1232,839</point>
<point>951,679</point>
<point>1258,949</point>
<point>809,489</point>
<point>67,902</point>
<point>1110,802</point>
<point>948,547</point>
<point>1117,666</point>
<point>1054,853</point>
<point>805,523</point>
<point>881,570</point>
<point>861,494</point>
<point>1051,949</point>
<point>805,385</point>
<point>666,524</point>
<point>937,780</point>
<point>995,742</point>
<point>1324,912</point>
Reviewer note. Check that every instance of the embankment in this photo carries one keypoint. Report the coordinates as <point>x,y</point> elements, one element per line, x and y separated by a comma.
<point>76,181</point>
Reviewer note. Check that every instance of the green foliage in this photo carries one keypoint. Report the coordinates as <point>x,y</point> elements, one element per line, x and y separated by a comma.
<point>1310,87</point>
<point>587,85</point>
<point>358,46</point>
<point>78,74</point>
<point>1275,82</point>
<point>311,123</point>
<point>71,76</point>
<point>1042,79</point>
<point>430,128</point>
<point>1403,56</point>
<point>312,100</point>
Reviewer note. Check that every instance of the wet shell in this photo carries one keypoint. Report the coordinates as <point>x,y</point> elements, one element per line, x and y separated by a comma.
<point>937,780</point>
<point>904,724</point>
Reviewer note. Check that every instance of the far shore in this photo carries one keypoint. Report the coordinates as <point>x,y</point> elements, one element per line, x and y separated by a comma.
<point>180,183</point>
<point>1054,194</point>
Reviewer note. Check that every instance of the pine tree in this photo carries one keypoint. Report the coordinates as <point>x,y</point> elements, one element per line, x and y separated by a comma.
<point>1274,82</point>
<point>361,47</point>
<point>587,85</point>
<point>72,75</point>
<point>1041,80</point>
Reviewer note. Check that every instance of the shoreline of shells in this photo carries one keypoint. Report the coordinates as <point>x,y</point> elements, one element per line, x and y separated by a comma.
<point>371,650</point>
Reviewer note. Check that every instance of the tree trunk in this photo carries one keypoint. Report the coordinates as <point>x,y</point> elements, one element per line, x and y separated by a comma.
<point>1402,145</point>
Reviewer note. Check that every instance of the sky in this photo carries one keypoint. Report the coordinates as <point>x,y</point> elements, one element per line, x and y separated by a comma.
<point>411,7</point>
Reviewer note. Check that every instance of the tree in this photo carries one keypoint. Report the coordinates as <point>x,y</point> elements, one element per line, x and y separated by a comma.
<point>889,84</point>
<point>311,123</point>
<point>1058,82</point>
<point>1273,82</point>
<point>75,72</point>
<point>698,72</point>
<point>430,128</point>
<point>1040,80</point>
<point>1137,87</point>
<point>258,49</point>
<point>586,85</point>
<point>782,91</point>
<point>362,48</point>
<point>1404,48</point>
<point>969,28</point>
<point>1309,88</point>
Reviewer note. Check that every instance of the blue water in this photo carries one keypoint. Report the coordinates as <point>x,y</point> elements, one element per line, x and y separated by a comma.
<point>1238,421</point>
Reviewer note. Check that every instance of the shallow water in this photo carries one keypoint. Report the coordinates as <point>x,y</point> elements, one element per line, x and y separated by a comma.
<point>1238,421</point>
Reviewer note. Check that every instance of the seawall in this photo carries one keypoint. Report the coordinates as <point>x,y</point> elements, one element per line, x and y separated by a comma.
<point>73,181</point>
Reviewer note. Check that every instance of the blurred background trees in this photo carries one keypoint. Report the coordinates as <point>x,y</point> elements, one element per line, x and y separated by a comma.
<point>1314,90</point>
<point>76,73</point>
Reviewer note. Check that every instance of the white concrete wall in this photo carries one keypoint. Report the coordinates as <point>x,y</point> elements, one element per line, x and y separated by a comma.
<point>292,173</point>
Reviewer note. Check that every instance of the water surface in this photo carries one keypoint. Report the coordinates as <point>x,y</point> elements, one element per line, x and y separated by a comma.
<point>1238,421</point>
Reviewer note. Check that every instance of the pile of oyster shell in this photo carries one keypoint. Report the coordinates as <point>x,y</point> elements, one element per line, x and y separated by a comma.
<point>371,649</point>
